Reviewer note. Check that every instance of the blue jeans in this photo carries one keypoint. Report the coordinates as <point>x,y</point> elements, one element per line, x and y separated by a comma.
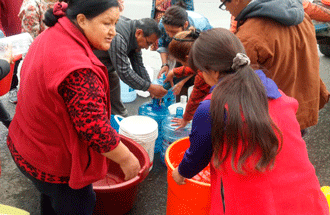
<point>61,199</point>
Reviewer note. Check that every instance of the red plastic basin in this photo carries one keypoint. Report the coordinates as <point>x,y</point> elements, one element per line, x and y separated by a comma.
<point>5,83</point>
<point>114,195</point>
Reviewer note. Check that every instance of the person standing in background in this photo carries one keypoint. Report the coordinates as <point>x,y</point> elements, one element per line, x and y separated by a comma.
<point>269,32</point>
<point>10,22</point>
<point>31,15</point>
<point>314,11</point>
<point>158,10</point>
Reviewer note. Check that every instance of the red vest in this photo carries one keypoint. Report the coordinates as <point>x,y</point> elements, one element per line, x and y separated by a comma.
<point>291,187</point>
<point>41,130</point>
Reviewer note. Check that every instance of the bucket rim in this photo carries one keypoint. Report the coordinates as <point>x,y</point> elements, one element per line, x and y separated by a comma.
<point>170,165</point>
<point>143,173</point>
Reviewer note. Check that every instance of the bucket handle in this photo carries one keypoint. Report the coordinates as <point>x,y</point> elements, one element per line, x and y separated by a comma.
<point>117,117</point>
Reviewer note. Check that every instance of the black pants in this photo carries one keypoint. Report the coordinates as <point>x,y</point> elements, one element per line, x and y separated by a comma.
<point>60,199</point>
<point>117,106</point>
<point>4,115</point>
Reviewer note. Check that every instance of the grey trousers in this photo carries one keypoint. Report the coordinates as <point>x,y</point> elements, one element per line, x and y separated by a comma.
<point>117,106</point>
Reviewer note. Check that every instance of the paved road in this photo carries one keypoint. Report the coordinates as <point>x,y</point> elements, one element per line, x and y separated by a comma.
<point>17,191</point>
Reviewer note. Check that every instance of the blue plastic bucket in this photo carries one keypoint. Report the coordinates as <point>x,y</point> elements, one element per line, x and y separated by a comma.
<point>114,122</point>
<point>127,93</point>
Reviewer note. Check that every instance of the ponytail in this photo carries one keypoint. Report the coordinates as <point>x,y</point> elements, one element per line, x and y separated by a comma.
<point>239,110</point>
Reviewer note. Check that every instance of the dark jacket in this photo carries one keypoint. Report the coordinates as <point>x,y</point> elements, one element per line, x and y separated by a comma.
<point>124,56</point>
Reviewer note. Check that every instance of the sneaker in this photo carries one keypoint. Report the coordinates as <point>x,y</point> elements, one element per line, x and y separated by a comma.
<point>12,96</point>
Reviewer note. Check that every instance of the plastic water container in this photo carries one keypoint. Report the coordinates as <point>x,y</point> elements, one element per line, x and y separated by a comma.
<point>127,93</point>
<point>169,98</point>
<point>157,112</point>
<point>20,44</point>
<point>170,135</point>
<point>115,122</point>
<point>193,198</point>
<point>183,103</point>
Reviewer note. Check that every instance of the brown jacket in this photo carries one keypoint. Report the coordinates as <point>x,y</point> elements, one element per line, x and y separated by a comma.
<point>290,55</point>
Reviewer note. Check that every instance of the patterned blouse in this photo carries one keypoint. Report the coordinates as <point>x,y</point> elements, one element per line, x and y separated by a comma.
<point>74,95</point>
<point>32,13</point>
<point>200,90</point>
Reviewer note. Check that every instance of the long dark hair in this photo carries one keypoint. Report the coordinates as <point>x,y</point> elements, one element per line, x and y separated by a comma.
<point>89,8</point>
<point>239,105</point>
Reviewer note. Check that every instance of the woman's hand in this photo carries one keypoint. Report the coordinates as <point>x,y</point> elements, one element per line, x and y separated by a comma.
<point>178,87</point>
<point>164,69</point>
<point>169,77</point>
<point>179,179</point>
<point>127,161</point>
<point>181,123</point>
<point>130,167</point>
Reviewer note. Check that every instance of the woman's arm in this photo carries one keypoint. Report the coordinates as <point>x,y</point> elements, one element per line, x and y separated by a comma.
<point>83,94</point>
<point>199,154</point>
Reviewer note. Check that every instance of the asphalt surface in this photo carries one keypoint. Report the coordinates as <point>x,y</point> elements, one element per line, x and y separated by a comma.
<point>17,191</point>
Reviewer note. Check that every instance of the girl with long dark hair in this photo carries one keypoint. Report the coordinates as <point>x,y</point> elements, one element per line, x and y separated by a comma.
<point>247,130</point>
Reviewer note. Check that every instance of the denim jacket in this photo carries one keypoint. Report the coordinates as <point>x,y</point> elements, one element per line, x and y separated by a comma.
<point>196,20</point>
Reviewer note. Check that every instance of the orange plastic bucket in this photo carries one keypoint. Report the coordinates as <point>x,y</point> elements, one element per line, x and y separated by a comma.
<point>5,83</point>
<point>192,198</point>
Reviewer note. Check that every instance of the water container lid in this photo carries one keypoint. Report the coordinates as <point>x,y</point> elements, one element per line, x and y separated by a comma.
<point>139,125</point>
<point>183,99</point>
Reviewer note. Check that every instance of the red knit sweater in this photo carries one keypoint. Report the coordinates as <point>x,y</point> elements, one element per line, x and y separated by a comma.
<point>200,90</point>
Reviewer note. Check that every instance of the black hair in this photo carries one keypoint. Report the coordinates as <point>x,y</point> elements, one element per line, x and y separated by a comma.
<point>89,8</point>
<point>175,15</point>
<point>148,26</point>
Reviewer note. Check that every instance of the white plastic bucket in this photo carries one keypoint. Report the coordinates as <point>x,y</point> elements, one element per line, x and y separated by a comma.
<point>141,129</point>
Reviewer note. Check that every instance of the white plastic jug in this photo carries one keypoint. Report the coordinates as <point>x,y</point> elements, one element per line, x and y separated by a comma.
<point>182,103</point>
<point>20,44</point>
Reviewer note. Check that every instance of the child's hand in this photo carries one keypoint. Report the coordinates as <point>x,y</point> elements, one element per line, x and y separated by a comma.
<point>169,77</point>
<point>181,123</point>
<point>162,70</point>
<point>179,179</point>
<point>178,87</point>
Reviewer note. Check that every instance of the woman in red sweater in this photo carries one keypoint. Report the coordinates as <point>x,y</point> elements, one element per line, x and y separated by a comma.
<point>180,47</point>
<point>61,137</point>
<point>248,130</point>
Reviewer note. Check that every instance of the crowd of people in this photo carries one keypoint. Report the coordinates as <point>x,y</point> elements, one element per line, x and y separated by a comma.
<point>254,95</point>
